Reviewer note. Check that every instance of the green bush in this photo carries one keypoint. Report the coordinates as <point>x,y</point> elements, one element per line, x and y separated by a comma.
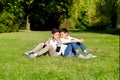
<point>83,16</point>
<point>8,22</point>
<point>100,23</point>
<point>68,23</point>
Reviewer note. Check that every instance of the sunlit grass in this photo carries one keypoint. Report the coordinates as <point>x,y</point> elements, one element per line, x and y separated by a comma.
<point>15,66</point>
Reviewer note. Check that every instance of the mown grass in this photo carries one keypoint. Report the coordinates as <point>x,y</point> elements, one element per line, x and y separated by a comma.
<point>15,66</point>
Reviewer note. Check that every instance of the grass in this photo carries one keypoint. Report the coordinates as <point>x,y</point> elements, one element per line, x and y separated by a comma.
<point>15,66</point>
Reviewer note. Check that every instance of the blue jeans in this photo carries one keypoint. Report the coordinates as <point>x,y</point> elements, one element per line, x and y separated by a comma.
<point>77,45</point>
<point>72,47</point>
<point>69,50</point>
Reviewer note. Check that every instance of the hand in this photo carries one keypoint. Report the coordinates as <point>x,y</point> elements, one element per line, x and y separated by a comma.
<point>81,40</point>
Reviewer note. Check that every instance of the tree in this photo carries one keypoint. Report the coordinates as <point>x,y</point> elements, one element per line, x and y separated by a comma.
<point>118,16</point>
<point>27,5</point>
<point>11,15</point>
<point>48,14</point>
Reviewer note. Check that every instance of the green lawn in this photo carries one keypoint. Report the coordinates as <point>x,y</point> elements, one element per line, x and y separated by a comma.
<point>15,66</point>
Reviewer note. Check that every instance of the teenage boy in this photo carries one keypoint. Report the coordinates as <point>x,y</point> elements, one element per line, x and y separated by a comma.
<point>52,46</point>
<point>70,45</point>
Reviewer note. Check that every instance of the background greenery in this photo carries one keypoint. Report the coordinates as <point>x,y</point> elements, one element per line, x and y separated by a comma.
<point>46,14</point>
<point>97,16</point>
<point>16,66</point>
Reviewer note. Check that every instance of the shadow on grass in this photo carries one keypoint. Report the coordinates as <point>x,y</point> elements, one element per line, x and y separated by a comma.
<point>106,31</point>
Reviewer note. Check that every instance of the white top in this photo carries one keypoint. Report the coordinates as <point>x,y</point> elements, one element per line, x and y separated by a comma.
<point>53,43</point>
<point>64,41</point>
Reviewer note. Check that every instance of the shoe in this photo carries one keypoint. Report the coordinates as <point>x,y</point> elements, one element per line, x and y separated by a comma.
<point>90,56</point>
<point>33,55</point>
<point>28,53</point>
<point>77,52</point>
<point>81,56</point>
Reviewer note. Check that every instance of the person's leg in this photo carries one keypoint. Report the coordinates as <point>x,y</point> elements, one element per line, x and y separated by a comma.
<point>41,51</point>
<point>83,48</point>
<point>75,48</point>
<point>52,52</point>
<point>38,47</point>
<point>68,51</point>
<point>44,50</point>
<point>86,52</point>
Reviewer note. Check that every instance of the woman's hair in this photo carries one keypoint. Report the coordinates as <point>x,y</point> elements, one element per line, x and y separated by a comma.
<point>63,30</point>
<point>54,30</point>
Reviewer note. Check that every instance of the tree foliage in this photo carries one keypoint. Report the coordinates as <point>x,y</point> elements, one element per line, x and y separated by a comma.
<point>95,14</point>
<point>8,22</point>
<point>46,14</point>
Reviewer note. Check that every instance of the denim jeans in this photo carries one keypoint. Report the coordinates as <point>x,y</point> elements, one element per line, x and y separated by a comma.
<point>77,45</point>
<point>68,51</point>
<point>72,47</point>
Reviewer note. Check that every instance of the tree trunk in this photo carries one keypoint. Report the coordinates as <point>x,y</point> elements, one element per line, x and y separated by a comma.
<point>27,24</point>
<point>118,18</point>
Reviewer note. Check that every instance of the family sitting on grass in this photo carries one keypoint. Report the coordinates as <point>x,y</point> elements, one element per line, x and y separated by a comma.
<point>60,44</point>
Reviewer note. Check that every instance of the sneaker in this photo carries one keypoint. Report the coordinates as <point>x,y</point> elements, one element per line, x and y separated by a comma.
<point>28,53</point>
<point>33,55</point>
<point>77,52</point>
<point>81,56</point>
<point>90,56</point>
